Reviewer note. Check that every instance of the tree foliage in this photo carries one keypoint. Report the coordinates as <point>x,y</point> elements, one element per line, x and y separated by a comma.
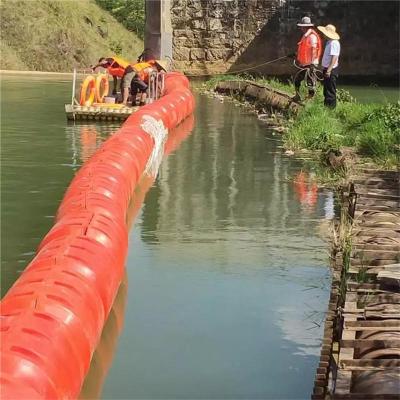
<point>130,13</point>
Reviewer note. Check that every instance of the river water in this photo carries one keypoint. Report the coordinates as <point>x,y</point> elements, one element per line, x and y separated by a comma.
<point>227,275</point>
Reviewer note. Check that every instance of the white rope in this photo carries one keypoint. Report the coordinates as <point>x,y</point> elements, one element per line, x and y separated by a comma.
<point>159,133</point>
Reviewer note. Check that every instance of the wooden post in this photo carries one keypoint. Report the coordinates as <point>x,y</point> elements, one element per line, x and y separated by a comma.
<point>73,86</point>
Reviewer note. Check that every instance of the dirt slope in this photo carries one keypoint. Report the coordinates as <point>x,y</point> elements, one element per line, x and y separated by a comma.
<point>58,35</point>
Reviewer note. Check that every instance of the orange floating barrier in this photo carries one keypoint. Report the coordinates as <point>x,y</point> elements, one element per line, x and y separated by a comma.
<point>53,315</point>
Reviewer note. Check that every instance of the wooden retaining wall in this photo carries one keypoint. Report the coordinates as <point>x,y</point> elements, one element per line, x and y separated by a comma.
<point>360,357</point>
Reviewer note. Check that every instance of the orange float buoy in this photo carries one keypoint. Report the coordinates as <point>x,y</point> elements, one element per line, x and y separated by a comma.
<point>102,87</point>
<point>54,314</point>
<point>88,84</point>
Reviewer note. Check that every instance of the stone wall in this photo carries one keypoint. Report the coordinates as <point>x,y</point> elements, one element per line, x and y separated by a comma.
<point>212,36</point>
<point>209,35</point>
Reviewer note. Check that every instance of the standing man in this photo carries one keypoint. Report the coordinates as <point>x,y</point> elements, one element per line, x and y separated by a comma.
<point>309,51</point>
<point>330,63</point>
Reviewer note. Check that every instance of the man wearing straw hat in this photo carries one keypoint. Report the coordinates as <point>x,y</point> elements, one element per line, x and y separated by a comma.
<point>309,51</point>
<point>330,63</point>
<point>140,82</point>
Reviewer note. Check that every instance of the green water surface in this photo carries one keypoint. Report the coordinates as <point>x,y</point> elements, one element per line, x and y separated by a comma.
<point>227,275</point>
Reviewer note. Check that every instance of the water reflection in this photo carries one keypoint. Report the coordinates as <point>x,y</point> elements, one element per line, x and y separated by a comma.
<point>230,275</point>
<point>306,189</point>
<point>102,357</point>
<point>84,140</point>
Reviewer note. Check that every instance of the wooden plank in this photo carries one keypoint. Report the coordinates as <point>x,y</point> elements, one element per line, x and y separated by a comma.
<point>381,247</point>
<point>390,277</point>
<point>378,324</point>
<point>389,197</point>
<point>372,328</point>
<point>367,254</point>
<point>356,343</point>
<point>376,262</point>
<point>376,208</point>
<point>380,298</point>
<point>376,231</point>
<point>365,396</point>
<point>343,378</point>
<point>368,201</point>
<point>373,364</point>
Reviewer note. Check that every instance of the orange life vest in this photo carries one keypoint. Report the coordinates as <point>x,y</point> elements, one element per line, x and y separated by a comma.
<point>143,69</point>
<point>305,49</point>
<point>117,68</point>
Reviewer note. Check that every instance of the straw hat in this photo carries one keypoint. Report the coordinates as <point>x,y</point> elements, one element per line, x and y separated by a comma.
<point>305,21</point>
<point>163,64</point>
<point>329,31</point>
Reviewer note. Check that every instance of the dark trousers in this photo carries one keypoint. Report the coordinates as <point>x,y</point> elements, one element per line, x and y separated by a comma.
<point>138,86</point>
<point>300,76</point>
<point>330,88</point>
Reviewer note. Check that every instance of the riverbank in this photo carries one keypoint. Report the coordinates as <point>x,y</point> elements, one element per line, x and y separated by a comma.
<point>35,73</point>
<point>366,133</point>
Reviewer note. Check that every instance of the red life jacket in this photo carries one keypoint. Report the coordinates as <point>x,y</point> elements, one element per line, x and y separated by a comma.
<point>305,49</point>
<point>117,68</point>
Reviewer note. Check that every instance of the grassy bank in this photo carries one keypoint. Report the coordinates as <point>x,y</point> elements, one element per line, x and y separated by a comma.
<point>369,130</point>
<point>48,35</point>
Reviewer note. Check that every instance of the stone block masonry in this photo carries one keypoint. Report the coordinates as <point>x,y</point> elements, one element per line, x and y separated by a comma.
<point>210,35</point>
<point>213,36</point>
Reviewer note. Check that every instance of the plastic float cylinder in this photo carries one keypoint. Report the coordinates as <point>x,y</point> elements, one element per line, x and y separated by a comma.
<point>139,144</point>
<point>109,172</point>
<point>174,81</point>
<point>47,294</point>
<point>137,118</point>
<point>31,345</point>
<point>87,260</point>
<point>92,202</point>
<point>122,163</point>
<point>15,389</point>
<point>100,185</point>
<point>66,292</point>
<point>174,116</point>
<point>160,108</point>
<point>97,227</point>
<point>113,193</point>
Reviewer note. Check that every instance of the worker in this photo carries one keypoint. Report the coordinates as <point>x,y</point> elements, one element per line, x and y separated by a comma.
<point>330,63</point>
<point>116,68</point>
<point>309,51</point>
<point>146,55</point>
<point>140,79</point>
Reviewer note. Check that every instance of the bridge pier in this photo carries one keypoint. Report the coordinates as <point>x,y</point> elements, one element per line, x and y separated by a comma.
<point>158,28</point>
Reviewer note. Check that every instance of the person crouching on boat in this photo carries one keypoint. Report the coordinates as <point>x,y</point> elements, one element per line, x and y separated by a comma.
<point>116,68</point>
<point>140,82</point>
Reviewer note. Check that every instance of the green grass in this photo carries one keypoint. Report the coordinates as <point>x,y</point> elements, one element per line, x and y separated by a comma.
<point>58,35</point>
<point>373,130</point>
<point>212,82</point>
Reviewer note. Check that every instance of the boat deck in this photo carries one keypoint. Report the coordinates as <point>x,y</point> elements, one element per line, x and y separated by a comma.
<point>103,112</point>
